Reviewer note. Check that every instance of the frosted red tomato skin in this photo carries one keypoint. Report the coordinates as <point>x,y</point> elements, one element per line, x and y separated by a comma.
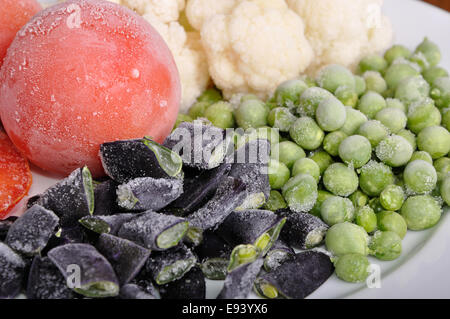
<point>82,73</point>
<point>13,15</point>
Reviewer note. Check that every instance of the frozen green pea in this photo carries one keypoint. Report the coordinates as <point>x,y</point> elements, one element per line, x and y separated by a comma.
<point>412,89</point>
<point>281,118</point>
<point>360,85</point>
<point>347,96</point>
<point>372,62</point>
<point>421,155</point>
<point>421,212</point>
<point>440,92</point>
<point>366,218</point>
<point>331,114</point>
<point>308,80</point>
<point>352,267</point>
<point>374,177</point>
<point>355,150</point>
<point>340,179</point>
<point>359,199</point>
<point>375,204</point>
<point>323,159</point>
<point>198,109</point>
<point>421,60</point>
<point>442,167</point>
<point>400,70</point>
<point>332,141</point>
<point>306,133</point>
<point>300,193</point>
<point>392,197</point>
<point>394,151</point>
<point>395,52</point>
<point>395,103</point>
<point>287,152</point>
<point>248,97</point>
<point>392,221</point>
<point>182,118</point>
<point>220,114</point>
<point>430,50</point>
<point>374,131</point>
<point>306,166</point>
<point>353,121</point>
<point>275,201</point>
<point>423,114</point>
<point>392,118</point>
<point>445,190</point>
<point>375,82</point>
<point>251,114</point>
<point>371,103</point>
<point>420,177</point>
<point>333,76</point>
<point>435,140</point>
<point>310,100</point>
<point>347,238</point>
<point>433,73</point>
<point>321,197</point>
<point>267,133</point>
<point>335,210</point>
<point>288,93</point>
<point>385,245</point>
<point>409,136</point>
<point>212,95</point>
<point>279,174</point>
<point>446,118</point>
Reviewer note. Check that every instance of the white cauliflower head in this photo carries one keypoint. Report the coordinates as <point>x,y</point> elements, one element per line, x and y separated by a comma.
<point>255,47</point>
<point>343,31</point>
<point>198,11</point>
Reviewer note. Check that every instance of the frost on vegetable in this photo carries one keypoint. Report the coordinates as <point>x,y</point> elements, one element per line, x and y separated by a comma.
<point>134,291</point>
<point>277,255</point>
<point>109,224</point>
<point>5,225</point>
<point>191,286</point>
<point>12,272</point>
<point>105,198</point>
<point>214,254</point>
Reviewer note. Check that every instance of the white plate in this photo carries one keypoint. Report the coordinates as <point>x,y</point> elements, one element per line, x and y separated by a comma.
<point>422,270</point>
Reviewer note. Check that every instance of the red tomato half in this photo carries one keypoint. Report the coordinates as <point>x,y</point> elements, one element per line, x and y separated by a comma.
<point>82,73</point>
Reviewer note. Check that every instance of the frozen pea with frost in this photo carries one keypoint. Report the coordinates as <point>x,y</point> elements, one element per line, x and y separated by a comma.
<point>359,199</point>
<point>360,85</point>
<point>310,100</point>
<point>322,158</point>
<point>395,103</point>
<point>420,177</point>
<point>395,52</point>
<point>347,238</point>
<point>394,151</point>
<point>371,103</point>
<point>446,118</point>
<point>440,92</point>
<point>287,152</point>
<point>300,193</point>
<point>288,93</point>
<point>322,196</point>
<point>375,177</point>
<point>430,50</point>
<point>420,59</point>
<point>306,133</point>
<point>366,218</point>
<point>392,118</point>
<point>372,62</point>
<point>279,174</point>
<point>335,210</point>
<point>347,95</point>
<point>421,155</point>
<point>353,121</point>
<point>385,245</point>
<point>352,267</point>
<point>198,109</point>
<point>433,73</point>
<point>435,140</point>
<point>281,118</point>
<point>409,136</point>
<point>275,201</point>
<point>374,131</point>
<point>423,114</point>
<point>445,190</point>
<point>332,141</point>
<point>306,166</point>
<point>442,167</point>
<point>375,204</point>
<point>375,82</point>
<point>400,70</point>
<point>421,212</point>
<point>220,114</point>
<point>251,114</point>
<point>392,221</point>
<point>412,89</point>
<point>331,114</point>
<point>333,76</point>
<point>340,180</point>
<point>392,198</point>
<point>355,150</point>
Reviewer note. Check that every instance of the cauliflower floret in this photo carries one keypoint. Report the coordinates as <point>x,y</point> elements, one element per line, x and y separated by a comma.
<point>198,11</point>
<point>255,47</point>
<point>343,31</point>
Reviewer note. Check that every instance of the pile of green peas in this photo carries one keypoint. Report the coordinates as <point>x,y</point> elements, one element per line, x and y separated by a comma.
<point>366,152</point>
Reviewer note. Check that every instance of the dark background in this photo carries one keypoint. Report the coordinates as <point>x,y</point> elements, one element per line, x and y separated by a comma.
<point>444,4</point>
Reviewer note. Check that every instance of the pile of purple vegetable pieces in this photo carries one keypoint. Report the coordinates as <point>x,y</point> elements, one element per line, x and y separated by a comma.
<point>162,223</point>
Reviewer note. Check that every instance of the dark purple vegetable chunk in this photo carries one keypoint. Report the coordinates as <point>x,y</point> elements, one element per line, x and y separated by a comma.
<point>97,278</point>
<point>239,282</point>
<point>106,224</point>
<point>32,201</point>
<point>300,276</point>
<point>147,193</point>
<point>31,232</point>
<point>155,231</point>
<point>278,254</point>
<point>214,255</point>
<point>5,225</point>
<point>198,189</point>
<point>126,257</point>
<point>45,281</point>
<point>12,272</point>
<point>191,286</point>
<point>302,230</point>
<point>70,199</point>
<point>133,291</point>
<point>106,198</point>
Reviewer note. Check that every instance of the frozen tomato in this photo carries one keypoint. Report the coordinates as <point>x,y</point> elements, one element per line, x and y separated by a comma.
<point>13,15</point>
<point>15,175</point>
<point>82,73</point>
